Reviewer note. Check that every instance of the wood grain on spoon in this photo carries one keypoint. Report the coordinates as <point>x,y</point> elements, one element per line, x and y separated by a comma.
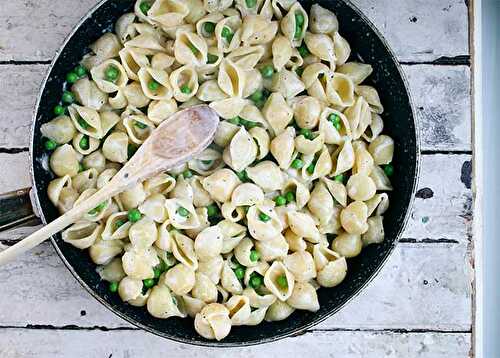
<point>178,139</point>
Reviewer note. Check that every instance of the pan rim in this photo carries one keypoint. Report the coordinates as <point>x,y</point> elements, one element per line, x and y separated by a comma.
<point>380,264</point>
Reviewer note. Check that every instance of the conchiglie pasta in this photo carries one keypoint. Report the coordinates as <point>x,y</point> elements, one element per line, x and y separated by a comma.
<point>296,181</point>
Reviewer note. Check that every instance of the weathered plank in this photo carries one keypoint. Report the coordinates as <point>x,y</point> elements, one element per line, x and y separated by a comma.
<point>440,94</point>
<point>421,30</point>
<point>136,344</point>
<point>442,209</point>
<point>443,203</point>
<point>416,289</point>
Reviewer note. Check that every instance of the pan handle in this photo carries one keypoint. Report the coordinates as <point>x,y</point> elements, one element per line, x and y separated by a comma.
<point>16,210</point>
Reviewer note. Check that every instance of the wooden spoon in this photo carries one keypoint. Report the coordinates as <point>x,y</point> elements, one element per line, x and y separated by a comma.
<point>174,142</point>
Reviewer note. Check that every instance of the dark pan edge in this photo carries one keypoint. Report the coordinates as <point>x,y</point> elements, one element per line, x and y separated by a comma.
<point>222,344</point>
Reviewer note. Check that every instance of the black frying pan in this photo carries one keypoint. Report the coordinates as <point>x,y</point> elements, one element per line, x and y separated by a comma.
<point>368,46</point>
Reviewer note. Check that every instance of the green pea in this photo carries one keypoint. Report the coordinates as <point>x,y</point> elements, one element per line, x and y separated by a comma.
<point>243,122</point>
<point>209,27</point>
<point>267,71</point>
<point>290,197</point>
<point>297,164</point>
<point>254,255</point>
<point>163,266</point>
<point>280,200</point>
<point>112,73</point>
<point>59,110</point>
<point>264,217</point>
<point>71,77</point>
<point>207,162</point>
<point>299,71</point>
<point>144,7</point>
<point>257,96</point>
<point>50,144</point>
<point>334,118</point>
<point>82,122</point>
<point>227,33</point>
<point>310,168</point>
<point>255,281</point>
<point>193,49</point>
<point>148,283</point>
<point>185,89</point>
<point>187,174</point>
<point>250,124</point>
<point>182,211</point>
<point>68,97</point>
<point>153,85</point>
<point>282,281</point>
<point>337,125</point>
<point>131,149</point>
<point>81,167</point>
<point>303,50</point>
<point>389,170</point>
<point>299,18</point>
<point>243,175</point>
<point>251,3</point>
<point>212,58</point>
<point>98,208</point>
<point>84,142</point>
<point>113,287</point>
<point>307,133</point>
<point>134,215</point>
<point>234,120</point>
<point>80,71</point>
<point>212,210</point>
<point>119,223</point>
<point>239,272</point>
<point>299,23</point>
<point>140,125</point>
<point>157,273</point>
<point>339,178</point>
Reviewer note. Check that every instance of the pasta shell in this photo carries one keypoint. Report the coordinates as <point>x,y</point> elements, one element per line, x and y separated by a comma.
<point>304,297</point>
<point>189,48</point>
<point>182,214</point>
<point>162,304</point>
<point>277,112</point>
<point>360,187</point>
<point>293,31</point>
<point>283,147</point>
<point>267,175</point>
<point>180,279</point>
<point>117,227</point>
<point>183,250</point>
<point>242,151</point>
<point>102,252</point>
<point>208,243</point>
<point>353,218</point>
<point>301,265</point>
<point>168,13</point>
<point>357,72</point>
<point>343,158</point>
<point>82,234</point>
<point>213,321</point>
<point>279,281</point>
<point>322,21</point>
<point>239,309</point>
<point>263,230</point>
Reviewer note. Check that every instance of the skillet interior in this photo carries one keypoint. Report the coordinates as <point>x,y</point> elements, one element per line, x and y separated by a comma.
<point>399,122</point>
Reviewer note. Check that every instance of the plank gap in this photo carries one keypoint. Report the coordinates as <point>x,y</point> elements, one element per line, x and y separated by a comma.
<point>25,63</point>
<point>460,60</point>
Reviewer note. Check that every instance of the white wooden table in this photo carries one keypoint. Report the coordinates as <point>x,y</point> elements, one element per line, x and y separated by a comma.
<point>419,306</point>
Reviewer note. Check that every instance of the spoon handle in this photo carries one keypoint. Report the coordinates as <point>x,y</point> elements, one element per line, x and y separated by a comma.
<point>59,224</point>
